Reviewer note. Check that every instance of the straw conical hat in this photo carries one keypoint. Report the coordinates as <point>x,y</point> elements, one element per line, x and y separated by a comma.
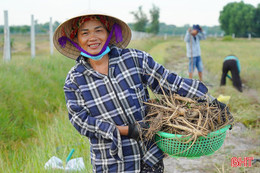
<point>71,51</point>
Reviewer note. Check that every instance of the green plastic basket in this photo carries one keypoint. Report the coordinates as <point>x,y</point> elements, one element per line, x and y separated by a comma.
<point>174,146</point>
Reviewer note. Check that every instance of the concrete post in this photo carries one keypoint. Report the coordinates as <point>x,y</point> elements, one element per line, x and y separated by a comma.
<point>32,38</point>
<point>165,36</point>
<point>7,45</point>
<point>51,36</point>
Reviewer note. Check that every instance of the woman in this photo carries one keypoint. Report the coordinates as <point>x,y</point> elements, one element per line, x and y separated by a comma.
<point>105,91</point>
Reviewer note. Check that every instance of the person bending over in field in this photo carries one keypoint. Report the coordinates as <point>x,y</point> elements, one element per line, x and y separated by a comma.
<point>231,63</point>
<point>105,91</point>
<point>192,39</point>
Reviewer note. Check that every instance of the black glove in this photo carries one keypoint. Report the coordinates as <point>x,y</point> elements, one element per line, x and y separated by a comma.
<point>220,105</point>
<point>224,108</point>
<point>135,130</point>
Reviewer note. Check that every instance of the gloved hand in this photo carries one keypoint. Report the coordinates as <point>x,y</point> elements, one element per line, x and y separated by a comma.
<point>136,130</point>
<point>220,105</point>
<point>224,108</point>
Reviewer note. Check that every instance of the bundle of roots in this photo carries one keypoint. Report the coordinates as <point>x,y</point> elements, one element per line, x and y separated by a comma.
<point>188,117</point>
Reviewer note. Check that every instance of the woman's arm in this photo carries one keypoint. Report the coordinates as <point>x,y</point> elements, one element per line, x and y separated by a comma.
<point>87,125</point>
<point>123,130</point>
<point>79,116</point>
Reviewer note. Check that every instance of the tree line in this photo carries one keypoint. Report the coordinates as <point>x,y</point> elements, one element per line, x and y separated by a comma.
<point>142,24</point>
<point>25,29</point>
<point>163,29</point>
<point>235,18</point>
<point>241,19</point>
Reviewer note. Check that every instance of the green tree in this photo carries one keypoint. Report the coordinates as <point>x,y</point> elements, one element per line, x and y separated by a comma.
<point>155,14</point>
<point>257,21</point>
<point>140,20</point>
<point>237,17</point>
<point>24,29</point>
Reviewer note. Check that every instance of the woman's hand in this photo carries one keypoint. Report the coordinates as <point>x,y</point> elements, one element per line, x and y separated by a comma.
<point>133,130</point>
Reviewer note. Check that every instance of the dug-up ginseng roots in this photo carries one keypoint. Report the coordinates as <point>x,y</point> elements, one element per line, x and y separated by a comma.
<point>184,116</point>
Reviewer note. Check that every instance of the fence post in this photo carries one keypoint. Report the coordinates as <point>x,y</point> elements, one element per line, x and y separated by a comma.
<point>51,35</point>
<point>233,35</point>
<point>32,37</point>
<point>249,36</point>
<point>7,45</point>
<point>165,36</point>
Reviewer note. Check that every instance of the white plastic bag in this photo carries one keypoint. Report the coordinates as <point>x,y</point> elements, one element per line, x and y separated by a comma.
<point>76,164</point>
<point>54,163</point>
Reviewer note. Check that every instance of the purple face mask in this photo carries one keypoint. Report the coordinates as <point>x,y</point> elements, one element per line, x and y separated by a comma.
<point>118,34</point>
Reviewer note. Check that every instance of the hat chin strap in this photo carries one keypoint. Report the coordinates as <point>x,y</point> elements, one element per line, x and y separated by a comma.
<point>118,34</point>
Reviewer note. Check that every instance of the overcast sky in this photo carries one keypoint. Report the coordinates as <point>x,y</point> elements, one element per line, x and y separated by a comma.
<point>177,12</point>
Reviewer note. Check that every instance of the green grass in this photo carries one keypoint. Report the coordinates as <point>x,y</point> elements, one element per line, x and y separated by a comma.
<point>146,44</point>
<point>56,139</point>
<point>34,123</point>
<point>29,90</point>
<point>244,106</point>
<point>246,50</point>
<point>157,47</point>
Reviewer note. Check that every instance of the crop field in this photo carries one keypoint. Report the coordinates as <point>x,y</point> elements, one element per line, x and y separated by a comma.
<point>34,124</point>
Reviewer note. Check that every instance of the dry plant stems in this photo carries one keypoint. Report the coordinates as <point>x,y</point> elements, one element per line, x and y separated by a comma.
<point>180,115</point>
<point>184,116</point>
<point>188,117</point>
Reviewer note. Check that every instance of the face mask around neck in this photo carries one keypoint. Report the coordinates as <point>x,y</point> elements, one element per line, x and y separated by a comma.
<point>98,57</point>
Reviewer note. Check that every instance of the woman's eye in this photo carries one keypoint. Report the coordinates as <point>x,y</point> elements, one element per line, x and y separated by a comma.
<point>85,33</point>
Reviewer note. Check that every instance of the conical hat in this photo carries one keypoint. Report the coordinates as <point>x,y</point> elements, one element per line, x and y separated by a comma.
<point>71,51</point>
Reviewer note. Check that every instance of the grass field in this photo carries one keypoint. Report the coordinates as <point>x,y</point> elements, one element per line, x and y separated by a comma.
<point>34,124</point>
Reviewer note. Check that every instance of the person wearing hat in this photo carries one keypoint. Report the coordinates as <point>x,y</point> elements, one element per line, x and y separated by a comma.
<point>231,63</point>
<point>107,89</point>
<point>192,39</point>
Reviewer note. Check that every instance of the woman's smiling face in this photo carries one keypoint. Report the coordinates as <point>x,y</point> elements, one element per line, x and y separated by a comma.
<point>92,35</point>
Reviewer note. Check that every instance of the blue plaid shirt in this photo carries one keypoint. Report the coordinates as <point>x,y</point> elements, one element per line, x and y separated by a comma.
<point>98,103</point>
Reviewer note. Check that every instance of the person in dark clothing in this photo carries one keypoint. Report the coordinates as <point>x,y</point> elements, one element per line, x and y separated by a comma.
<point>231,63</point>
